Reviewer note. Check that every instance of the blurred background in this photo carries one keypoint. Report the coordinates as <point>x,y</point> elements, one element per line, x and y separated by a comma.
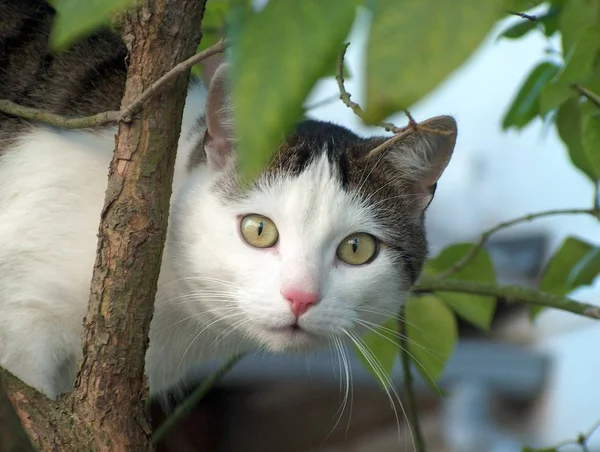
<point>522,384</point>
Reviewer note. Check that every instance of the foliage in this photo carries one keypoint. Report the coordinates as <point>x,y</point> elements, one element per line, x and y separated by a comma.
<point>76,19</point>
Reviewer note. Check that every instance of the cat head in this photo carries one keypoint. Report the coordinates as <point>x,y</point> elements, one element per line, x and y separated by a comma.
<point>325,243</point>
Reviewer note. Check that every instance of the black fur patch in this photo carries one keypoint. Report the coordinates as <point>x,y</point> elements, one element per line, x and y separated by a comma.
<point>389,192</point>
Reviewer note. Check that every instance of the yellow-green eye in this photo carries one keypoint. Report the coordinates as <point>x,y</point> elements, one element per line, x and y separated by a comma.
<point>259,231</point>
<point>358,249</point>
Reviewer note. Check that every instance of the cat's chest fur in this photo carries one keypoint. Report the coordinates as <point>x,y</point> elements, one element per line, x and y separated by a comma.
<point>52,189</point>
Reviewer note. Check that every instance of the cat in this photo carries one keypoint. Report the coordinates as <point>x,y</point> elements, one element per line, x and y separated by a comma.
<point>324,245</point>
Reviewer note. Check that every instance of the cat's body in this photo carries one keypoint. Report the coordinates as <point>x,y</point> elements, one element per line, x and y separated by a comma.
<point>323,246</point>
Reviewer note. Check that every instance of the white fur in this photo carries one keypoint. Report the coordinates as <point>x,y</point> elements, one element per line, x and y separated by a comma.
<point>216,293</point>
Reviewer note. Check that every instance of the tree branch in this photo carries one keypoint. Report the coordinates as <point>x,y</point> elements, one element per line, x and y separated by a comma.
<point>170,76</point>
<point>589,95</point>
<point>356,108</point>
<point>65,122</point>
<point>512,294</point>
<point>12,435</point>
<point>111,117</point>
<point>478,246</point>
<point>110,386</point>
<point>50,424</point>
<point>412,408</point>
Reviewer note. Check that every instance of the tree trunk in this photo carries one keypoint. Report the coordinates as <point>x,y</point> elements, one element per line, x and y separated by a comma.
<point>105,412</point>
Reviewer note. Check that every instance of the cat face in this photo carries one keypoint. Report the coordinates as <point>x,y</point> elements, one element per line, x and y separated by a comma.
<point>325,244</point>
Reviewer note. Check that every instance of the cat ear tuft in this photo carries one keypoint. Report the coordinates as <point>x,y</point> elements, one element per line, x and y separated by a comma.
<point>423,154</point>
<point>219,135</point>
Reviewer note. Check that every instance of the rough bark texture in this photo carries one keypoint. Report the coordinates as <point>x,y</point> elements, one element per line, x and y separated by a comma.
<point>49,424</point>
<point>110,387</point>
<point>12,436</point>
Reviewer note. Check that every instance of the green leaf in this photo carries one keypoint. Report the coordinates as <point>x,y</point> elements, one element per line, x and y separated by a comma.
<point>383,345</point>
<point>591,143</point>
<point>432,334</point>
<point>576,17</point>
<point>579,62</point>
<point>521,5</point>
<point>578,68</point>
<point>548,21</point>
<point>586,270</point>
<point>557,274</point>
<point>476,309</point>
<point>78,18</point>
<point>525,105</point>
<point>562,270</point>
<point>414,45</point>
<point>277,56</point>
<point>519,29</point>
<point>569,127</point>
<point>553,95</point>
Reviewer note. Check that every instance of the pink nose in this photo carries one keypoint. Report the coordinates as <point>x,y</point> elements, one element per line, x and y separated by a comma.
<point>300,300</point>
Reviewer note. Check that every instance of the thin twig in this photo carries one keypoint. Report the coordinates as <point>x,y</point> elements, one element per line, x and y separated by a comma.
<point>478,246</point>
<point>411,121</point>
<point>529,17</point>
<point>185,407</point>
<point>399,132</point>
<point>66,122</point>
<point>590,95</point>
<point>109,117</point>
<point>184,66</point>
<point>511,294</point>
<point>412,408</point>
<point>345,95</point>
<point>581,441</point>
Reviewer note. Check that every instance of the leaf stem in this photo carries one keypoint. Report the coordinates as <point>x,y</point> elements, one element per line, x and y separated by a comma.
<point>185,407</point>
<point>511,294</point>
<point>478,246</point>
<point>412,408</point>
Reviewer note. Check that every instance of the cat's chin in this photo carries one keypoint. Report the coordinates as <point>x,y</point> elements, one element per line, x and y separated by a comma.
<point>289,339</point>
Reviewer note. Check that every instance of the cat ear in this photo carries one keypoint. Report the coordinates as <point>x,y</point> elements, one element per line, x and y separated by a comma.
<point>219,135</point>
<point>422,155</point>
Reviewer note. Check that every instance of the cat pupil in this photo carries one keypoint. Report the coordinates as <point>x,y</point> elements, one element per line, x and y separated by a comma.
<point>354,244</point>
<point>260,228</point>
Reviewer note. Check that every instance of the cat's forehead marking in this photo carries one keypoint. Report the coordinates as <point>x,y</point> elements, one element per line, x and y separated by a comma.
<point>378,185</point>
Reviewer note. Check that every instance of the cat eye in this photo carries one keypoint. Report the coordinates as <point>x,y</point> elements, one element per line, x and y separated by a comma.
<point>259,231</point>
<point>358,249</point>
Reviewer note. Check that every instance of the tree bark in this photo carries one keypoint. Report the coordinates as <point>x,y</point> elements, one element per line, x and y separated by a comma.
<point>49,424</point>
<point>105,411</point>
<point>110,388</point>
